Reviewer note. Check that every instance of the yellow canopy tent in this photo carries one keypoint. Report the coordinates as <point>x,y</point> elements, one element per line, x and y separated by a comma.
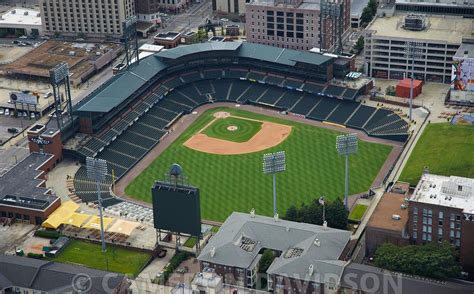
<point>123,227</point>
<point>77,219</point>
<point>60,215</point>
<point>94,223</point>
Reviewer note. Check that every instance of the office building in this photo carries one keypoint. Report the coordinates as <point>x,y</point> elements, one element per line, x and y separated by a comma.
<point>357,7</point>
<point>438,38</point>
<point>87,18</point>
<point>463,8</point>
<point>235,7</point>
<point>21,21</point>
<point>442,209</point>
<point>148,11</point>
<point>306,255</point>
<point>296,24</point>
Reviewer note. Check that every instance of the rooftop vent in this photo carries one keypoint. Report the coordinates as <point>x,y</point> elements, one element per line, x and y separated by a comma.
<point>311,270</point>
<point>396,217</point>
<point>247,244</point>
<point>252,212</point>
<point>293,252</point>
<point>414,22</point>
<point>213,251</point>
<point>25,13</point>
<point>317,242</point>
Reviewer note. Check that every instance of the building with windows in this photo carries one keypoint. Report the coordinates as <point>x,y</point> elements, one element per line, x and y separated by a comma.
<point>295,24</point>
<point>442,209</point>
<point>308,258</point>
<point>89,18</point>
<point>357,7</point>
<point>148,11</point>
<point>439,37</point>
<point>21,21</point>
<point>441,7</point>
<point>235,7</point>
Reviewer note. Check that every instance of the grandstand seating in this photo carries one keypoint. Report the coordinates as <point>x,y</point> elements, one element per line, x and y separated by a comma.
<point>140,127</point>
<point>324,108</point>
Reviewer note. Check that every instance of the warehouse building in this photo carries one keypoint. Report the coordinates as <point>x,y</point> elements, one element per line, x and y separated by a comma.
<point>21,21</point>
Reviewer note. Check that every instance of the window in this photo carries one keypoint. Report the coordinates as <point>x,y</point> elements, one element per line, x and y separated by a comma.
<point>458,234</point>
<point>459,188</point>
<point>415,218</point>
<point>414,235</point>
<point>415,210</point>
<point>440,231</point>
<point>440,215</point>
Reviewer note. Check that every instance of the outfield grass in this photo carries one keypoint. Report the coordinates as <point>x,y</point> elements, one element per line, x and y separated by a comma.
<point>190,243</point>
<point>236,182</point>
<point>446,149</point>
<point>116,259</point>
<point>357,212</point>
<point>246,129</point>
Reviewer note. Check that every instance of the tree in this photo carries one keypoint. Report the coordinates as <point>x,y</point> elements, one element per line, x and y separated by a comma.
<point>369,12</point>
<point>265,261</point>
<point>359,45</point>
<point>336,213</point>
<point>434,260</point>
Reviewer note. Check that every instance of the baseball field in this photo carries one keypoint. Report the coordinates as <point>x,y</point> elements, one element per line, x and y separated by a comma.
<point>221,153</point>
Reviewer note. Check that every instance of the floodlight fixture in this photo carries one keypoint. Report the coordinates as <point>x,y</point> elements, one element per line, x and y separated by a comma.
<point>97,170</point>
<point>346,145</point>
<point>274,163</point>
<point>413,50</point>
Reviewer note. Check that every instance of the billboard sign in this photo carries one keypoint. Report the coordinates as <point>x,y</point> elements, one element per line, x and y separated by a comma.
<point>25,98</point>
<point>462,74</point>
<point>59,72</point>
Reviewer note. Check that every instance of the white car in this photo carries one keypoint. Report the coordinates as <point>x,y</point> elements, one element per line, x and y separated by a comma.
<point>32,115</point>
<point>224,19</point>
<point>2,111</point>
<point>7,111</point>
<point>23,37</point>
<point>47,95</point>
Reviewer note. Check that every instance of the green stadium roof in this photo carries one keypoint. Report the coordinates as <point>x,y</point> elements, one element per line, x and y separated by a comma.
<point>123,85</point>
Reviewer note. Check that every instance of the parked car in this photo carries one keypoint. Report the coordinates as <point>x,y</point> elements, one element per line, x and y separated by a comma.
<point>32,115</point>
<point>23,37</point>
<point>47,95</point>
<point>12,130</point>
<point>224,19</point>
<point>7,111</point>
<point>2,111</point>
<point>15,42</point>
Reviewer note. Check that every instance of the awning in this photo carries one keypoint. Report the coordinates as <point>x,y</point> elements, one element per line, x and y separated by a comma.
<point>60,215</point>
<point>94,223</point>
<point>123,227</point>
<point>77,219</point>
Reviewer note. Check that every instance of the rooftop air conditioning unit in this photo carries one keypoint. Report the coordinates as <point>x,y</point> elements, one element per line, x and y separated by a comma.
<point>396,217</point>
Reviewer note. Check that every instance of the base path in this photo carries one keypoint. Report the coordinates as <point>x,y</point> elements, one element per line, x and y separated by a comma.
<point>270,135</point>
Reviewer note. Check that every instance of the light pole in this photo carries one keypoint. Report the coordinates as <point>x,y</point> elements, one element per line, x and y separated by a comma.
<point>346,145</point>
<point>412,50</point>
<point>96,170</point>
<point>274,163</point>
<point>323,203</point>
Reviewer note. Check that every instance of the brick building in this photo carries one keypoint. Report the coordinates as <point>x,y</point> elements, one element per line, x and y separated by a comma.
<point>307,257</point>
<point>442,209</point>
<point>387,223</point>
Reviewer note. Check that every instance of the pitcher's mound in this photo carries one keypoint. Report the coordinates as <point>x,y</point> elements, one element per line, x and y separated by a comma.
<point>232,128</point>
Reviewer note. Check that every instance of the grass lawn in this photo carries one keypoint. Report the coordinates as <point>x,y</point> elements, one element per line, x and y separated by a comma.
<point>357,212</point>
<point>446,149</point>
<point>236,182</point>
<point>190,242</point>
<point>116,259</point>
<point>246,129</point>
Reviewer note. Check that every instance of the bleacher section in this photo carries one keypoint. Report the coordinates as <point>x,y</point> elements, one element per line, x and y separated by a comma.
<point>138,129</point>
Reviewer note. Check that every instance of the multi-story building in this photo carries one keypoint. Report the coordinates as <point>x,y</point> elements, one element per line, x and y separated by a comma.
<point>442,209</point>
<point>442,7</point>
<point>295,24</point>
<point>234,7</point>
<point>148,10</point>
<point>438,38</point>
<point>173,6</point>
<point>89,18</point>
<point>308,258</point>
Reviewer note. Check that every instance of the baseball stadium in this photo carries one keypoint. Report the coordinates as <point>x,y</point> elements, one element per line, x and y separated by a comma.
<point>216,108</point>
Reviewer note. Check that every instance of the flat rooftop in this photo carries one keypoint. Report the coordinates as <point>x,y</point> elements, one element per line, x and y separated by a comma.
<point>305,4</point>
<point>389,205</point>
<point>357,6</point>
<point>20,187</point>
<point>457,192</point>
<point>440,28</point>
<point>465,50</point>
<point>21,16</point>
<point>167,36</point>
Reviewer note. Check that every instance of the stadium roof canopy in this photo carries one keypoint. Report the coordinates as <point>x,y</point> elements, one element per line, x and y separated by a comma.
<point>126,83</point>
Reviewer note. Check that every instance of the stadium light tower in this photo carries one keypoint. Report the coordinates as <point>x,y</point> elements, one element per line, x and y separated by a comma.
<point>413,50</point>
<point>274,163</point>
<point>96,170</point>
<point>346,145</point>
